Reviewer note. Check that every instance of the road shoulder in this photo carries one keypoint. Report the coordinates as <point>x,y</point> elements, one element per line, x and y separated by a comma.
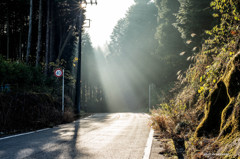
<point>162,148</point>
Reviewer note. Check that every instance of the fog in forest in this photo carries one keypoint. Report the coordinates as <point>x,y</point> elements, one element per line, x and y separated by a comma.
<point>130,62</point>
<point>124,85</point>
<point>149,48</point>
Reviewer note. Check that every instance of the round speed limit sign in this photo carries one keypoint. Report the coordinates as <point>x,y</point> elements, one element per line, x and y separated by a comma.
<point>58,72</point>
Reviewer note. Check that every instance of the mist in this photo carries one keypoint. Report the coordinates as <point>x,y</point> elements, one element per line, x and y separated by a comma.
<point>124,86</point>
<point>127,65</point>
<point>142,51</point>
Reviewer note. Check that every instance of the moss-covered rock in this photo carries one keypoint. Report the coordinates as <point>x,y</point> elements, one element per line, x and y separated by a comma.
<point>220,110</point>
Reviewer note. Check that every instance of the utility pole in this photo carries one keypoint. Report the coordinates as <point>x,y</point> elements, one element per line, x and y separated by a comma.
<point>149,97</point>
<point>78,82</point>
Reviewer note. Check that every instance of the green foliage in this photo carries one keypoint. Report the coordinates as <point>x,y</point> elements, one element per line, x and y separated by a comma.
<point>194,16</point>
<point>134,33</point>
<point>225,34</point>
<point>170,43</point>
<point>173,110</point>
<point>217,51</point>
<point>118,36</point>
<point>141,1</point>
<point>20,75</point>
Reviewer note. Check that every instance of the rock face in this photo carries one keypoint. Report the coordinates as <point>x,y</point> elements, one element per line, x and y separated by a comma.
<point>222,111</point>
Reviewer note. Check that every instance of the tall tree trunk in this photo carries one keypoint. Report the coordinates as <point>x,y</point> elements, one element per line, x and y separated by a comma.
<point>14,30</point>
<point>47,39</point>
<point>60,38</point>
<point>52,33</point>
<point>8,36</point>
<point>29,32</point>
<point>39,43</point>
<point>91,92</point>
<point>20,45</point>
<point>0,39</point>
<point>95,93</point>
<point>0,43</point>
<point>62,43</point>
<point>84,95</point>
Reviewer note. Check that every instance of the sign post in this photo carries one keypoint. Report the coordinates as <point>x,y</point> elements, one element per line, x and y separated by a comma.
<point>60,73</point>
<point>149,98</point>
<point>63,93</point>
<point>150,90</point>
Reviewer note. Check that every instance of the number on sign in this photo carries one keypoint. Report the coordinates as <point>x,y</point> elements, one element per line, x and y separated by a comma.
<point>58,72</point>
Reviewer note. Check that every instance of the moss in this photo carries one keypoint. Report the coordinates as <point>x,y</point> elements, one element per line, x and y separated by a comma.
<point>221,103</point>
<point>210,125</point>
<point>227,129</point>
<point>227,111</point>
<point>231,77</point>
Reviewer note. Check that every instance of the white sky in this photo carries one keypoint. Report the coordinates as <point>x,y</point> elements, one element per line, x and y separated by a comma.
<point>104,17</point>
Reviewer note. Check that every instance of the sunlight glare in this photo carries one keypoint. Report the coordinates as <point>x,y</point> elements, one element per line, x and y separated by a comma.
<point>83,4</point>
<point>104,17</point>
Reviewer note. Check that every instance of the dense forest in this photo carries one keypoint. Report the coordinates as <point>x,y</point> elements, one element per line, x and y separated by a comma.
<point>35,39</point>
<point>186,50</point>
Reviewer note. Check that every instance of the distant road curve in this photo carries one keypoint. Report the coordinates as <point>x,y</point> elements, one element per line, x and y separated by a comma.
<point>101,136</point>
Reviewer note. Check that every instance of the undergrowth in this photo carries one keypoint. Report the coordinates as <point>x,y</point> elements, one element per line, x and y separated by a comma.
<point>30,111</point>
<point>30,100</point>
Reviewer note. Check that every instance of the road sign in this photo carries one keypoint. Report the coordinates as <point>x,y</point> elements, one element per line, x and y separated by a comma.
<point>58,72</point>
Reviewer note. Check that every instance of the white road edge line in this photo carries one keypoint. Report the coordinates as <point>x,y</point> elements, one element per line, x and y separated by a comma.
<point>148,147</point>
<point>8,137</point>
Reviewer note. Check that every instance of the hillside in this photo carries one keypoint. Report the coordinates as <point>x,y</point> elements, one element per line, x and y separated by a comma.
<point>206,108</point>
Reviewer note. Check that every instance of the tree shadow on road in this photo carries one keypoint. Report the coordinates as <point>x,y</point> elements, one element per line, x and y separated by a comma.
<point>58,142</point>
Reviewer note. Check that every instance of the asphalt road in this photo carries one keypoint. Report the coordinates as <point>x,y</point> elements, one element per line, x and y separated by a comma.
<point>101,136</point>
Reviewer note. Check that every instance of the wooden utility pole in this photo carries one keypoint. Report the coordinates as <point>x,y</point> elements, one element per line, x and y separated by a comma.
<point>78,81</point>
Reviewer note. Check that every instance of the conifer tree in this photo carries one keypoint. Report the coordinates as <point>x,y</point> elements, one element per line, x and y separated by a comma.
<point>193,18</point>
<point>170,42</point>
<point>29,31</point>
